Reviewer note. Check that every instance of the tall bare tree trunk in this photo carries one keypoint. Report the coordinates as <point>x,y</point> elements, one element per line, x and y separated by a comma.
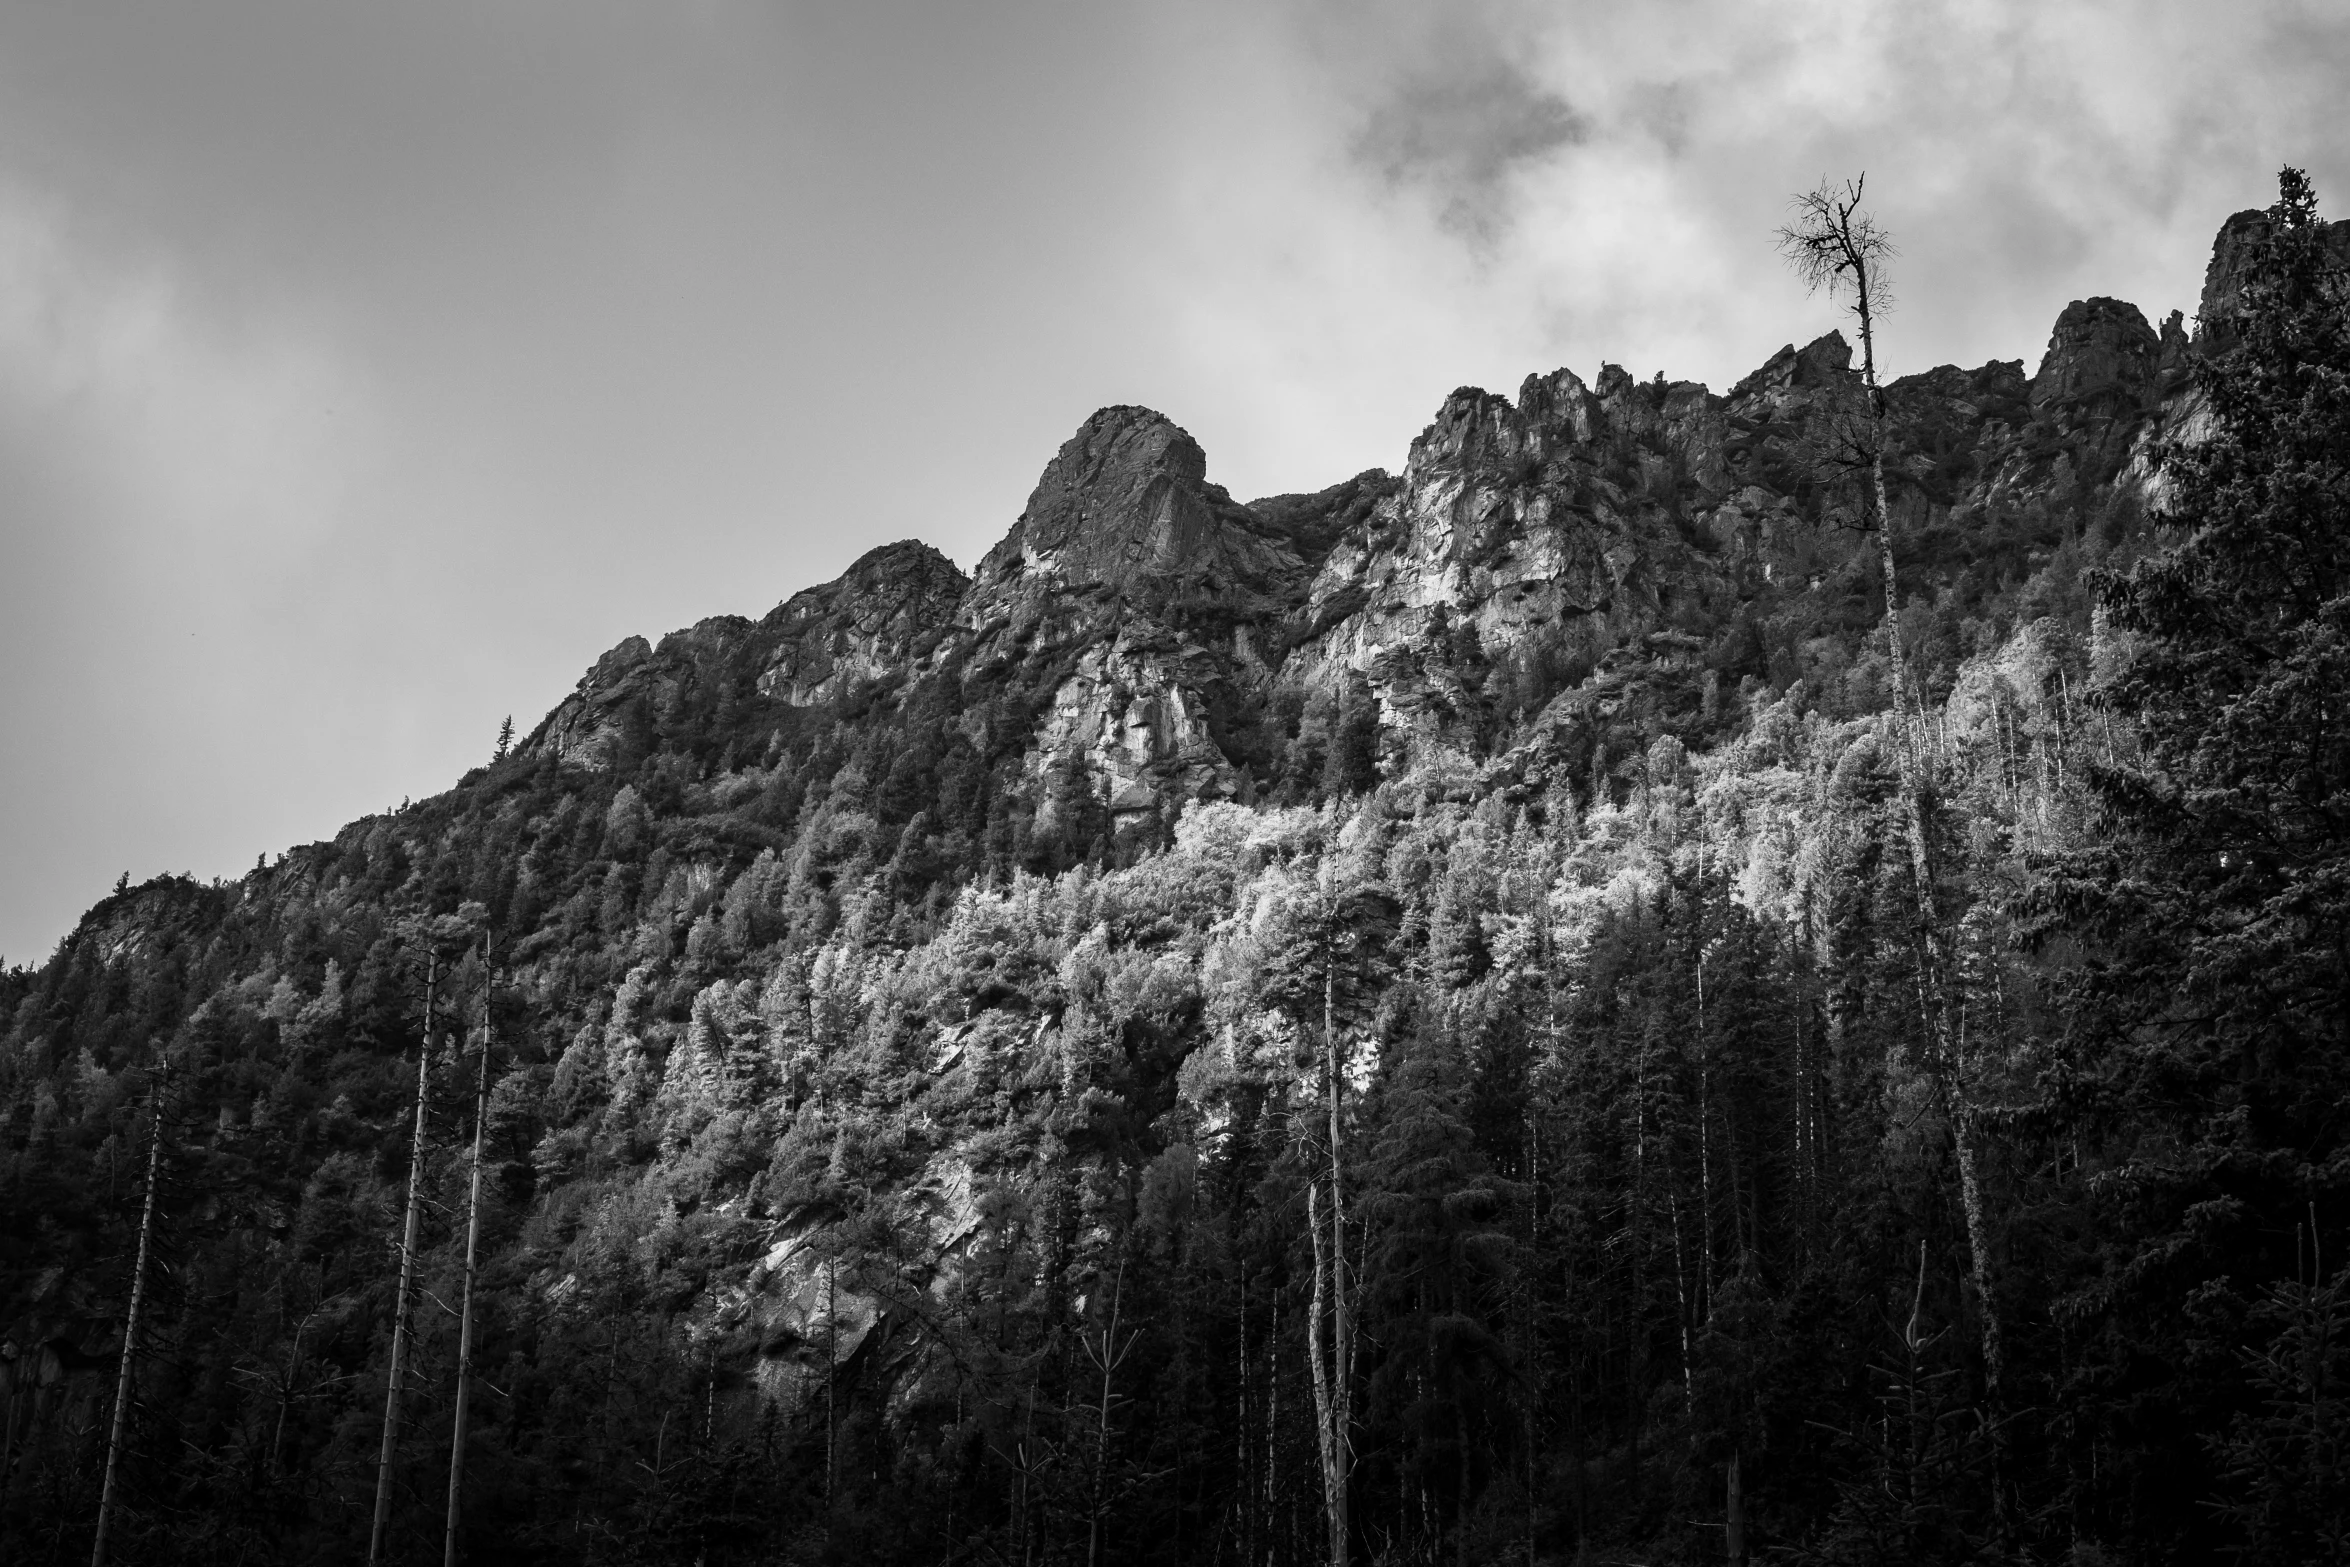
<point>481,1113</point>
<point>392,1390</point>
<point>1864,305</point>
<point>1319,1363</point>
<point>1970,1192</point>
<point>1460,1481</point>
<point>1681,1299</point>
<point>1273,1430</point>
<point>832,1382</point>
<point>1108,1360</point>
<point>1244,1517</point>
<point>12,1373</point>
<point>1947,1068</point>
<point>1333,1376</point>
<point>130,1330</point>
<point>1734,1513</point>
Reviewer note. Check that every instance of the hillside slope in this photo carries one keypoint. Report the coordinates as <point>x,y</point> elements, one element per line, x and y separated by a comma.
<point>908,1014</point>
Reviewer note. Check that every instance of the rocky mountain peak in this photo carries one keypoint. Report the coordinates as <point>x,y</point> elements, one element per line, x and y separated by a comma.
<point>877,618</point>
<point>619,660</point>
<point>907,580</point>
<point>873,618</point>
<point>1558,401</point>
<point>2230,265</point>
<point>1140,618</point>
<point>2223,275</point>
<point>1824,361</point>
<point>2099,345</point>
<point>1127,497</point>
<point>1472,427</point>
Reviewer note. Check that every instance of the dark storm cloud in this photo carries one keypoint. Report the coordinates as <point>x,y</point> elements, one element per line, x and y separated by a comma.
<point>1461,132</point>
<point>1448,102</point>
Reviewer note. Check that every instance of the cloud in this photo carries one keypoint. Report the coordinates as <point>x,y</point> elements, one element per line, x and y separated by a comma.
<point>1447,103</point>
<point>172,473</point>
<point>1613,173</point>
<point>195,423</point>
<point>1461,128</point>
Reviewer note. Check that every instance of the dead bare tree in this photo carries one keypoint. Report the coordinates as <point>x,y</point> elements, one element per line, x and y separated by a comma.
<point>130,1330</point>
<point>383,1466</point>
<point>1332,1371</point>
<point>481,1113</point>
<point>1836,245</point>
<point>1107,1353</point>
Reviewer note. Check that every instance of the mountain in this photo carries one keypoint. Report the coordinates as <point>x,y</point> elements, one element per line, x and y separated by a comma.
<point>1152,632</point>
<point>928,1027</point>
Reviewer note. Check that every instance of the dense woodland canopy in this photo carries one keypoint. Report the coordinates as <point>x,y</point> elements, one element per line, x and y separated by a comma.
<point>1768,1113</point>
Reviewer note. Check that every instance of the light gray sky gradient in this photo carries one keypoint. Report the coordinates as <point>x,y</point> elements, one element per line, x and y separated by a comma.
<point>366,370</point>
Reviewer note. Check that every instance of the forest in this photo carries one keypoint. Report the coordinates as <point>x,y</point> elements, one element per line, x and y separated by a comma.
<point>1749,1071</point>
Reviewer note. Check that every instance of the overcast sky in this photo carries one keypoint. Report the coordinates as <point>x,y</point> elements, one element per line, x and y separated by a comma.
<point>366,370</point>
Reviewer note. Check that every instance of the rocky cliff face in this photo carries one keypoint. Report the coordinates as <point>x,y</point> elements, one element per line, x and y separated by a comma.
<point>1141,582</point>
<point>885,613</point>
<point>2101,347</point>
<point>878,618</point>
<point>2223,278</point>
<point>1126,505</point>
<point>1614,555</point>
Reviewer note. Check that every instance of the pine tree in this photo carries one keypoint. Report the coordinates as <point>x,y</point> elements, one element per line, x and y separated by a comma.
<point>2241,815</point>
<point>1440,1264</point>
<point>2213,922</point>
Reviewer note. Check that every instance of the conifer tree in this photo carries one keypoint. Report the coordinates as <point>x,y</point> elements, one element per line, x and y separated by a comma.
<point>2211,922</point>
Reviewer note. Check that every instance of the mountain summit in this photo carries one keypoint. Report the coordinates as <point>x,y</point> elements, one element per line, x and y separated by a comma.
<point>1126,500</point>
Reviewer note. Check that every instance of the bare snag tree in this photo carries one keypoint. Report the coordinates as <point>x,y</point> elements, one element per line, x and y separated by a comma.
<point>132,1325</point>
<point>481,1116</point>
<point>396,1382</point>
<point>1837,247</point>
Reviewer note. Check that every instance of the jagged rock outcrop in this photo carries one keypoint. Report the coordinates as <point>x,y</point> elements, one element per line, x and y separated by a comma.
<point>874,621</point>
<point>881,614</point>
<point>2231,260</point>
<point>586,729</point>
<point>1154,588</point>
<point>1541,516</point>
<point>2100,348</point>
<point>1606,558</point>
<point>1822,364</point>
<point>1125,504</point>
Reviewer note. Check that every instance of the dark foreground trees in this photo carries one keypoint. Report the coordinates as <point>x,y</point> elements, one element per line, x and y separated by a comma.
<point>2206,1081</point>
